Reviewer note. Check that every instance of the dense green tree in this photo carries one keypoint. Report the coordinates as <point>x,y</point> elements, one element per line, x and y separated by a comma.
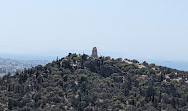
<point>83,83</point>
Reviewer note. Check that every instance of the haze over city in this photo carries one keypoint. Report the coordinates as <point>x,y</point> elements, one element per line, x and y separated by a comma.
<point>145,30</point>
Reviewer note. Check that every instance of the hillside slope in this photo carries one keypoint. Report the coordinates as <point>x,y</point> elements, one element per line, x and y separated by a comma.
<point>83,83</point>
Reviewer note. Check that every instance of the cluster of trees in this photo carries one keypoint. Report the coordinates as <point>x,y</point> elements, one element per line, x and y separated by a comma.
<point>83,83</point>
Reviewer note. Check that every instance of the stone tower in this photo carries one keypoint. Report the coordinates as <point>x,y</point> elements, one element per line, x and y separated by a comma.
<point>94,52</point>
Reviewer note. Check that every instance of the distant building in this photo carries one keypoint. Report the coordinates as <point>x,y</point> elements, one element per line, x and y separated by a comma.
<point>94,53</point>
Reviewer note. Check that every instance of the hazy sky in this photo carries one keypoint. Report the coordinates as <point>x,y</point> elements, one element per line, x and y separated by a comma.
<point>148,29</point>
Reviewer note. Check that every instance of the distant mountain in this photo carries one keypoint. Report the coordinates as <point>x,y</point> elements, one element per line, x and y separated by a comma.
<point>84,83</point>
<point>12,66</point>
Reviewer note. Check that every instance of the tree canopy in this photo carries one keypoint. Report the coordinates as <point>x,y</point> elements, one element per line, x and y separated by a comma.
<point>83,83</point>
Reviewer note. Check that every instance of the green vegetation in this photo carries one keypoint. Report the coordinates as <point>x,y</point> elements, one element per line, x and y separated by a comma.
<point>83,83</point>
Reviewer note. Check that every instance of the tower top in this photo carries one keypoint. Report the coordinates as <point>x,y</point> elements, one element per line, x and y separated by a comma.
<point>94,52</point>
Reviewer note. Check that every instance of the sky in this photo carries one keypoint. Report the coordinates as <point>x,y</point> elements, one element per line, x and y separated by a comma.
<point>140,29</point>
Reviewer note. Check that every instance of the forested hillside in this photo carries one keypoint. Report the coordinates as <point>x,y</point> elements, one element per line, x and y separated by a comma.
<point>84,83</point>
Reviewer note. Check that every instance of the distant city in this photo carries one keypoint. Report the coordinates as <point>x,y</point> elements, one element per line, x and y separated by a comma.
<point>12,66</point>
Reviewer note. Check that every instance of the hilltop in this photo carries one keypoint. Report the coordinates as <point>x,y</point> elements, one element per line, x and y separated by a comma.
<point>84,83</point>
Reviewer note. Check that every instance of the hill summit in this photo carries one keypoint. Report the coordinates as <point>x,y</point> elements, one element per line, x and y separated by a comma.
<point>84,83</point>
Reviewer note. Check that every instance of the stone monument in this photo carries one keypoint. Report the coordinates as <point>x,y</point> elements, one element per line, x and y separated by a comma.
<point>94,53</point>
